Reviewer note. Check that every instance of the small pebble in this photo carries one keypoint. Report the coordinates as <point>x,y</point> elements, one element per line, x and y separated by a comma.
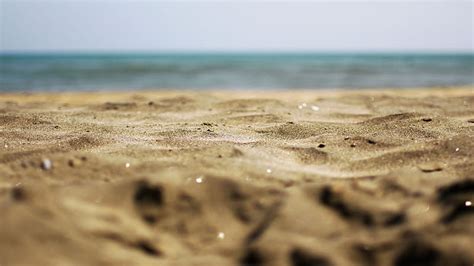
<point>127,165</point>
<point>199,180</point>
<point>221,235</point>
<point>300,106</point>
<point>468,203</point>
<point>269,171</point>
<point>321,145</point>
<point>46,164</point>
<point>315,108</point>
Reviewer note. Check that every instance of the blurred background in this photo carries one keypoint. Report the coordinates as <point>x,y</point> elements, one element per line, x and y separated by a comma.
<point>56,45</point>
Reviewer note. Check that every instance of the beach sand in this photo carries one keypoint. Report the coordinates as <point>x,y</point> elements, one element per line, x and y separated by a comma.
<point>382,177</point>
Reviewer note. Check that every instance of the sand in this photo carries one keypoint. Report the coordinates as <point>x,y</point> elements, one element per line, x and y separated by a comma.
<point>238,178</point>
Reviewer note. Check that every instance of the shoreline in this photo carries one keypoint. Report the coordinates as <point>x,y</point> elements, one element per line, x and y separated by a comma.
<point>301,92</point>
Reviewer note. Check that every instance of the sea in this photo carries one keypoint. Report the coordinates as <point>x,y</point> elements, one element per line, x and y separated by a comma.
<point>95,71</point>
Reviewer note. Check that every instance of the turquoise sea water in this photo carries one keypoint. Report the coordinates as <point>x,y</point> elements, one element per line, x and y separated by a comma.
<point>58,72</point>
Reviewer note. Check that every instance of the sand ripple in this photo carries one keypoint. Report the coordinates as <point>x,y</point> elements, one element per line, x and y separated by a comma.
<point>215,178</point>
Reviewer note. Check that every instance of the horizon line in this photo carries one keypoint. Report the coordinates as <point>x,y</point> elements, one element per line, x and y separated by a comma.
<point>230,52</point>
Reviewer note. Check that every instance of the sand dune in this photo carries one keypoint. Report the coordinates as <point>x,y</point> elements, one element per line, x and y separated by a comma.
<point>238,178</point>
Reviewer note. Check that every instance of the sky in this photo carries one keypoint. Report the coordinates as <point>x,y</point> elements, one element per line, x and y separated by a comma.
<point>213,26</point>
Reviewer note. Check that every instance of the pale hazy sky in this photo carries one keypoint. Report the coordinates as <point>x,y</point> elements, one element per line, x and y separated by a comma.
<point>67,25</point>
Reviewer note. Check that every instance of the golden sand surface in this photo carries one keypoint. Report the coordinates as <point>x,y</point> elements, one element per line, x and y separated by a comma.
<point>382,177</point>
